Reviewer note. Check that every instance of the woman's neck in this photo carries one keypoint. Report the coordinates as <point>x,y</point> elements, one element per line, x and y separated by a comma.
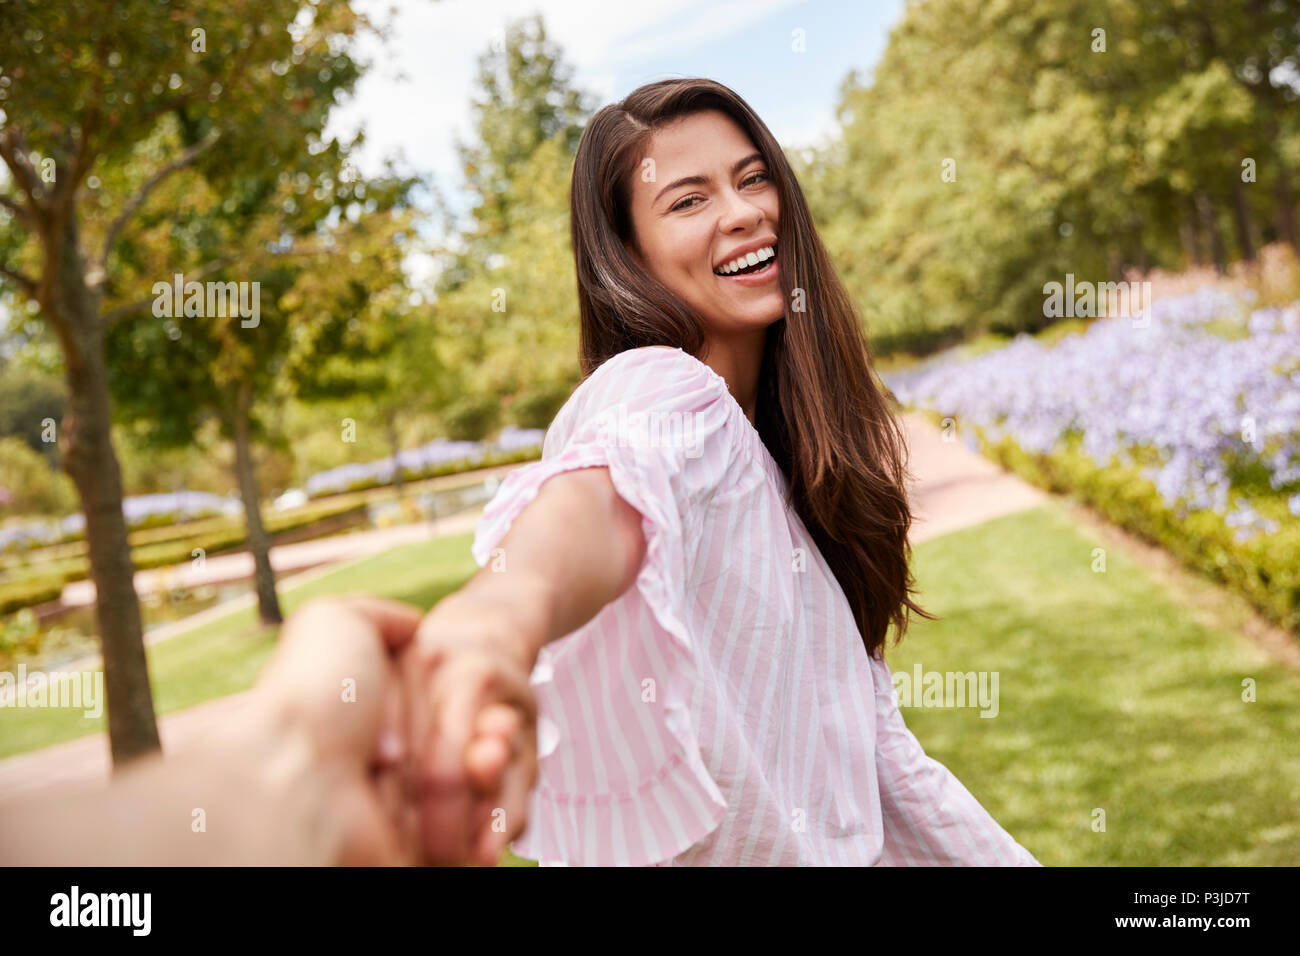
<point>738,359</point>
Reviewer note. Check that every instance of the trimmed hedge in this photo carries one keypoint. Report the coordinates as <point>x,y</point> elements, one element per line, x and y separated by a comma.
<point>16,595</point>
<point>230,535</point>
<point>490,460</point>
<point>160,547</point>
<point>1265,569</point>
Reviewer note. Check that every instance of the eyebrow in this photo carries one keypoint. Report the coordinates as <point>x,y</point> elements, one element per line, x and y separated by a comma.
<point>698,180</point>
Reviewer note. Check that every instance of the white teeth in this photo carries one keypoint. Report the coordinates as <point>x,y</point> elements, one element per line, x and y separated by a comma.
<point>748,259</point>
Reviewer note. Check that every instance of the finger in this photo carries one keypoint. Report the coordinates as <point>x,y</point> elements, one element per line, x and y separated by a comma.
<point>395,621</point>
<point>517,781</point>
<point>388,788</point>
<point>486,761</point>
<point>391,745</point>
<point>517,785</point>
<point>447,799</point>
<point>492,747</point>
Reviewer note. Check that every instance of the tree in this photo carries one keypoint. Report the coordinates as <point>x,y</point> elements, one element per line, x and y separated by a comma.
<point>525,99</point>
<point>169,377</point>
<point>1001,145</point>
<point>101,108</point>
<point>506,299</point>
<point>391,375</point>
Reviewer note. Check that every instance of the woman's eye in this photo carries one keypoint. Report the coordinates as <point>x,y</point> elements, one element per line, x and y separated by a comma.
<point>689,201</point>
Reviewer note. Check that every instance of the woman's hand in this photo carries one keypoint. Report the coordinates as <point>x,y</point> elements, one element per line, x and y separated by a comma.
<point>577,546</point>
<point>473,729</point>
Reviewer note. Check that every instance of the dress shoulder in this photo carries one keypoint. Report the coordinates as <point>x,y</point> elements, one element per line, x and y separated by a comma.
<point>623,782</point>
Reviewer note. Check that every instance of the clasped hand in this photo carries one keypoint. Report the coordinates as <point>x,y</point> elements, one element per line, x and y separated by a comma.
<point>424,728</point>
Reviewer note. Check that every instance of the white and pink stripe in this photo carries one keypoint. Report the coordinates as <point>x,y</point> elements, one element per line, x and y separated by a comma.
<point>724,710</point>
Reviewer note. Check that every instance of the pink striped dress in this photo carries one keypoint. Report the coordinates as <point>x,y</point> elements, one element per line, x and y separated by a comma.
<point>723,711</point>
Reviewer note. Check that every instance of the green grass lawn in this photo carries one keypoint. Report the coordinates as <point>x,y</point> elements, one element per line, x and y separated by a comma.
<point>225,656</point>
<point>1111,695</point>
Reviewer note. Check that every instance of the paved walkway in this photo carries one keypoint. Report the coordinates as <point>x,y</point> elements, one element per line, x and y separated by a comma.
<point>952,488</point>
<point>321,556</point>
<point>238,566</point>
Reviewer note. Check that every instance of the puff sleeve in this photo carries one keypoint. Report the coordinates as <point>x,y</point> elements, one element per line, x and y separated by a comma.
<point>621,777</point>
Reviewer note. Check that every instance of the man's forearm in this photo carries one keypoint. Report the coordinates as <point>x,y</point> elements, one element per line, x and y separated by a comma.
<point>247,795</point>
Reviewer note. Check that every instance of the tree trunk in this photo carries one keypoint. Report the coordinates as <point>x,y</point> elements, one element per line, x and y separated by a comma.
<point>395,443</point>
<point>1241,217</point>
<point>1190,234</point>
<point>1283,212</point>
<point>1210,223</point>
<point>92,464</point>
<point>268,604</point>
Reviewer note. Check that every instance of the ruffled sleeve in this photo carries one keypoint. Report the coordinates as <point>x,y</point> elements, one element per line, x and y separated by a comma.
<point>621,777</point>
<point>930,818</point>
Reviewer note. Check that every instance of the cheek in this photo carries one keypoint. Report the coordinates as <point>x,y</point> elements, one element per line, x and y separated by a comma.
<point>685,257</point>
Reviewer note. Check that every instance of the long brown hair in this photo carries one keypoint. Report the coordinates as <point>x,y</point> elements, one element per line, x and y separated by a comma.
<point>820,412</point>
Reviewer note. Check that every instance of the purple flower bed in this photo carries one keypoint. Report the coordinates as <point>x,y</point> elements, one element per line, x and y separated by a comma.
<point>1202,404</point>
<point>138,509</point>
<point>438,452</point>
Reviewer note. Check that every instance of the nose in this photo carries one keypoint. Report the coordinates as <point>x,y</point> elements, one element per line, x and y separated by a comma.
<point>738,213</point>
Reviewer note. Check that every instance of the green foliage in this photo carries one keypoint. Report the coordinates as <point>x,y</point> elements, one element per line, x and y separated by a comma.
<point>524,99</point>
<point>998,147</point>
<point>28,397</point>
<point>29,592</point>
<point>472,419</point>
<point>506,301</point>
<point>43,581</point>
<point>537,407</point>
<point>37,488</point>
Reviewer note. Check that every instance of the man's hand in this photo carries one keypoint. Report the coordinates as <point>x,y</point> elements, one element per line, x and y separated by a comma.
<point>333,687</point>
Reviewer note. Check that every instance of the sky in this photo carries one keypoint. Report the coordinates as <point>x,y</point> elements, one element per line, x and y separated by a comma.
<point>414,102</point>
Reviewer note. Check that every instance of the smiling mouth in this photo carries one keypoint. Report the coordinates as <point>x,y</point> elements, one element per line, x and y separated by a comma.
<point>742,266</point>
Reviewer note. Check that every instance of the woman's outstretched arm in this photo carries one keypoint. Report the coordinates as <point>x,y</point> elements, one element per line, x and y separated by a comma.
<point>577,546</point>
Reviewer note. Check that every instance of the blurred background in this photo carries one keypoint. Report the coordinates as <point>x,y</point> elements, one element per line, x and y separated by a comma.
<point>286,288</point>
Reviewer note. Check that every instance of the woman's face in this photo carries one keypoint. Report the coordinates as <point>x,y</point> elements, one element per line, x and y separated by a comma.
<point>705,202</point>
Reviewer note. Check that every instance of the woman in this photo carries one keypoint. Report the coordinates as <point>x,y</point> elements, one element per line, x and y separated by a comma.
<point>700,573</point>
